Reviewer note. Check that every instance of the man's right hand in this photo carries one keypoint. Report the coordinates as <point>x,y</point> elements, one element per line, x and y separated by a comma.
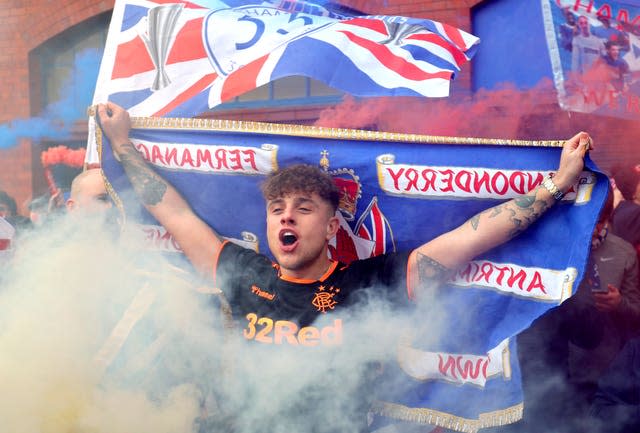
<point>116,125</point>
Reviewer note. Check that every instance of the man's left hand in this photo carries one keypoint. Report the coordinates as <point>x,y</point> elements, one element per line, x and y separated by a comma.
<point>572,160</point>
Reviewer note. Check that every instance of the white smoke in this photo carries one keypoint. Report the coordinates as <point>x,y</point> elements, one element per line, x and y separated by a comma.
<point>73,292</point>
<point>62,295</point>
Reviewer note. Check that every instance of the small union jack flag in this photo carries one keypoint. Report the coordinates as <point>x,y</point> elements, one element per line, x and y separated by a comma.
<point>373,226</point>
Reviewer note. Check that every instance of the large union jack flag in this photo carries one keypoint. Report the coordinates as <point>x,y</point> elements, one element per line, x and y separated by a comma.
<point>179,59</point>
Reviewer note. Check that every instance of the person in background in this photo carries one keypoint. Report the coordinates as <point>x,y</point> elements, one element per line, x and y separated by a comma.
<point>9,211</point>
<point>8,208</point>
<point>7,232</point>
<point>611,286</point>
<point>89,193</point>
<point>586,48</point>
<point>615,67</point>
<point>625,221</point>
<point>567,29</point>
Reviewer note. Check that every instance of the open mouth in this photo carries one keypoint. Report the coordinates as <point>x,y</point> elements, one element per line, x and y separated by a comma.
<point>288,238</point>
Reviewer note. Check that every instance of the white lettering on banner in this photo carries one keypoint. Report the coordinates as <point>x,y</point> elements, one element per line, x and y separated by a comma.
<point>535,283</point>
<point>210,159</point>
<point>157,238</point>
<point>421,181</point>
<point>456,368</point>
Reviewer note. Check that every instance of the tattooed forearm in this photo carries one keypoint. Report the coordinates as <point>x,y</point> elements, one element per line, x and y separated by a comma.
<point>493,212</point>
<point>524,201</point>
<point>521,221</point>
<point>148,185</point>
<point>430,271</point>
<point>520,213</point>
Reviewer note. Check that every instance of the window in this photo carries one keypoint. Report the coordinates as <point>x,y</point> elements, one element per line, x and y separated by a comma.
<point>289,91</point>
<point>65,68</point>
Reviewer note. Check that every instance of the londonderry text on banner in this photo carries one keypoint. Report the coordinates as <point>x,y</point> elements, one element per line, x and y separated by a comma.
<point>594,48</point>
<point>398,191</point>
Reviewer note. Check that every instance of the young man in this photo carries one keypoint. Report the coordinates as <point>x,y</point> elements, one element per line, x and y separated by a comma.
<point>586,48</point>
<point>278,303</point>
<point>614,65</point>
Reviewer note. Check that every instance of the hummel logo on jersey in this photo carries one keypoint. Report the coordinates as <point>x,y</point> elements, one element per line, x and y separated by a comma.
<point>266,295</point>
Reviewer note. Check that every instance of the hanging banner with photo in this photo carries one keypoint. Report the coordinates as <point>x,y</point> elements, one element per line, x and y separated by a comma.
<point>594,49</point>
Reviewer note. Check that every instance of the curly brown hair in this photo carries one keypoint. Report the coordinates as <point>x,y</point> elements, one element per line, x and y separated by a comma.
<point>301,178</point>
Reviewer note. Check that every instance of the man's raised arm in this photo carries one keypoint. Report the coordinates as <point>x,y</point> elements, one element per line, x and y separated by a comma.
<point>200,243</point>
<point>434,260</point>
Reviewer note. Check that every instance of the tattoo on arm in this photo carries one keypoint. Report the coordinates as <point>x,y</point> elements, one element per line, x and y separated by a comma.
<point>495,211</point>
<point>150,187</point>
<point>522,212</point>
<point>431,272</point>
<point>474,221</point>
<point>524,201</point>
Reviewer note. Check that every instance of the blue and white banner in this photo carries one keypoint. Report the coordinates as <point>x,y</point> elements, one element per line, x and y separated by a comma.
<point>594,48</point>
<point>399,191</point>
<point>181,58</point>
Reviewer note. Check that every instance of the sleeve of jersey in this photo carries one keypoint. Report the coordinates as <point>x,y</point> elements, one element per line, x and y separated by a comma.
<point>235,264</point>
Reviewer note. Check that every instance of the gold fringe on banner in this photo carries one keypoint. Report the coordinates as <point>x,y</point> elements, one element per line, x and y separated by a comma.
<point>321,132</point>
<point>445,420</point>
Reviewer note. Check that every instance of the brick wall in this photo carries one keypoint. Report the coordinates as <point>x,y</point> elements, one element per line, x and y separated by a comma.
<point>25,25</point>
<point>15,172</point>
